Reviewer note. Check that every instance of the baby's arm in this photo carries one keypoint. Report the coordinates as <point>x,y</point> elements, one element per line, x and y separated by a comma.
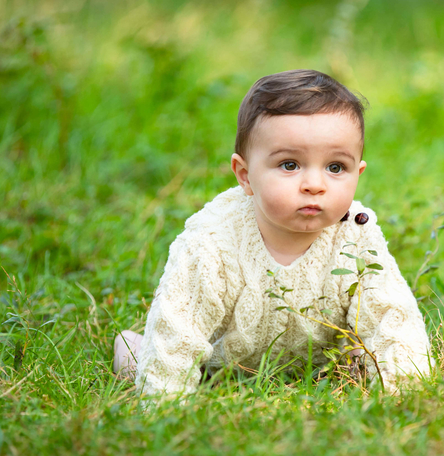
<point>390,322</point>
<point>184,314</point>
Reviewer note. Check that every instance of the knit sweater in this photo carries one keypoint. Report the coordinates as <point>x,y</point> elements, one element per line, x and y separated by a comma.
<point>211,306</point>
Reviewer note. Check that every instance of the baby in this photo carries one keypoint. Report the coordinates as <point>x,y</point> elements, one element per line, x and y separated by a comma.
<point>298,158</point>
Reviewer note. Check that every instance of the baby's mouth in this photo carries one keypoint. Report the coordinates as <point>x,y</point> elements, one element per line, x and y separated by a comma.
<point>310,210</point>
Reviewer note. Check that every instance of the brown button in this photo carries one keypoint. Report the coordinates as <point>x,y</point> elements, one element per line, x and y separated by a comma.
<point>361,218</point>
<point>346,216</point>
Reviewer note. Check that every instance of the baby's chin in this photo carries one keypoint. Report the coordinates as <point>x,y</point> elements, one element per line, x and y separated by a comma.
<point>309,228</point>
<point>314,226</point>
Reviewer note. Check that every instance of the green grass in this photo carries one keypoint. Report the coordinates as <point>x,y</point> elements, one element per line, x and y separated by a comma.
<point>117,122</point>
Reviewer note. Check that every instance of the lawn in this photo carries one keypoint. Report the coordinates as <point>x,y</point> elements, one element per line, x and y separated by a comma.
<point>117,122</point>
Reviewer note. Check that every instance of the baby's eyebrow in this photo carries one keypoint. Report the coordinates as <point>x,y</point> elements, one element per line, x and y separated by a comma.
<point>285,151</point>
<point>345,154</point>
<point>300,151</point>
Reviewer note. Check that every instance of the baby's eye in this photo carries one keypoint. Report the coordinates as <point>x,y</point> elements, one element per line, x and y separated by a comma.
<point>335,168</point>
<point>289,166</point>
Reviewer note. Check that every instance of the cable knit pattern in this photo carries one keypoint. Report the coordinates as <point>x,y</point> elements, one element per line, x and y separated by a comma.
<point>211,307</point>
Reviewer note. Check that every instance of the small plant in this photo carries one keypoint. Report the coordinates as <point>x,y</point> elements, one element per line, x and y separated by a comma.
<point>436,324</point>
<point>20,328</point>
<point>426,267</point>
<point>351,335</point>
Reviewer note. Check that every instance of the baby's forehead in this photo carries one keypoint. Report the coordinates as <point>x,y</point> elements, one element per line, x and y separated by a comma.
<point>315,128</point>
<point>318,119</point>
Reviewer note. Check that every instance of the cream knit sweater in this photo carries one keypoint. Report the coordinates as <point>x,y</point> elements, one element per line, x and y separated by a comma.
<point>211,307</point>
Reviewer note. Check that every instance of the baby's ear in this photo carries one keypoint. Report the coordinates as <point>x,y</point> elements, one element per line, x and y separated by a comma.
<point>240,169</point>
<point>362,166</point>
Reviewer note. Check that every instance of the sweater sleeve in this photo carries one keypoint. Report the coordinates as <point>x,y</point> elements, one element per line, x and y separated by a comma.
<point>390,322</point>
<point>187,309</point>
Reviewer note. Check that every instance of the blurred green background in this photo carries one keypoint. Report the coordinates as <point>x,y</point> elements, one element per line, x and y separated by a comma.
<point>118,118</point>
<point>117,122</point>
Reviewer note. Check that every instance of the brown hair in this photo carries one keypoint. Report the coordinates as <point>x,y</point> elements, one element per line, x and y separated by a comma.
<point>302,92</point>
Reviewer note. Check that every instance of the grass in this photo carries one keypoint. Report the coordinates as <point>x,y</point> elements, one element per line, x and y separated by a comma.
<point>117,122</point>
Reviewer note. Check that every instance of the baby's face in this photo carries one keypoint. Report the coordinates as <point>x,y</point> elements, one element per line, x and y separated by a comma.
<point>302,171</point>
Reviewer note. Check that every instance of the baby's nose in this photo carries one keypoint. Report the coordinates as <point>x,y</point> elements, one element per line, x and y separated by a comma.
<point>313,182</point>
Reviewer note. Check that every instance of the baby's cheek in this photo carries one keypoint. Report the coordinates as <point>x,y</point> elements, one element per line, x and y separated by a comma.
<point>280,210</point>
<point>344,197</point>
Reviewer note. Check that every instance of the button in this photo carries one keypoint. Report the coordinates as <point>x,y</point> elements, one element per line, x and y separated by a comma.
<point>346,216</point>
<point>361,218</point>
